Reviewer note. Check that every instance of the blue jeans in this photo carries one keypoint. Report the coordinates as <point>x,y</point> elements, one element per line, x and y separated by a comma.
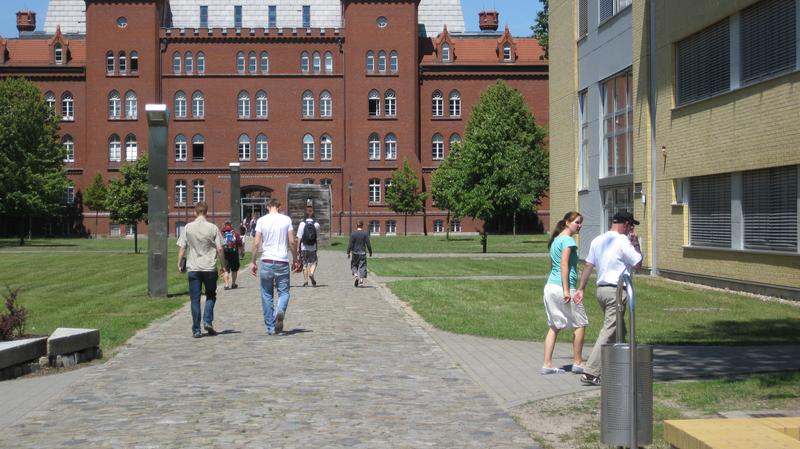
<point>273,275</point>
<point>197,279</point>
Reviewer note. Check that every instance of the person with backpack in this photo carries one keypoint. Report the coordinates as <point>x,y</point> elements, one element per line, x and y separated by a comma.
<point>233,248</point>
<point>307,233</point>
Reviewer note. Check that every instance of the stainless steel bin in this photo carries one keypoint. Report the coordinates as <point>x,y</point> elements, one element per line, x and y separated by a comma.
<point>615,417</point>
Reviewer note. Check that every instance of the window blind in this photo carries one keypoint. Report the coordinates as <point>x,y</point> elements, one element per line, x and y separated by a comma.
<point>769,208</point>
<point>768,38</point>
<point>710,211</point>
<point>583,18</point>
<point>703,63</point>
<point>606,9</point>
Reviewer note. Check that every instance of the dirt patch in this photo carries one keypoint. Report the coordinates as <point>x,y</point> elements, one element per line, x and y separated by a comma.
<point>564,422</point>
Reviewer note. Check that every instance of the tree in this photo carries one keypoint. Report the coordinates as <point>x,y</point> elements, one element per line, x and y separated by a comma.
<point>405,197</point>
<point>444,187</point>
<point>95,197</point>
<point>541,29</point>
<point>501,167</point>
<point>126,198</point>
<point>32,177</point>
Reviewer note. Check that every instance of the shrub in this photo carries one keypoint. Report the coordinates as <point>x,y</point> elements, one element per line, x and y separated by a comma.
<point>12,321</point>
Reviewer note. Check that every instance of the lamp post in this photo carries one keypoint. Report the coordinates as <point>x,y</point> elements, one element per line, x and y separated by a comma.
<point>157,119</point>
<point>350,199</point>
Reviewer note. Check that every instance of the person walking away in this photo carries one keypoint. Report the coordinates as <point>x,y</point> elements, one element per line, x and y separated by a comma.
<point>273,240</point>
<point>612,254</point>
<point>234,250</point>
<point>358,246</point>
<point>307,232</point>
<point>562,308</point>
<point>201,243</point>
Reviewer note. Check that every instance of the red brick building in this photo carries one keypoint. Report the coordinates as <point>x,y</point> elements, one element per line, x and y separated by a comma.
<point>341,97</point>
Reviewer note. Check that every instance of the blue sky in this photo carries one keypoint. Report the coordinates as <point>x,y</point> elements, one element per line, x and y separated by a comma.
<point>518,14</point>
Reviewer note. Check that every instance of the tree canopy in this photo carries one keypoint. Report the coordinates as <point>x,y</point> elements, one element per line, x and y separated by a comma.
<point>126,198</point>
<point>95,197</point>
<point>404,196</point>
<point>541,29</point>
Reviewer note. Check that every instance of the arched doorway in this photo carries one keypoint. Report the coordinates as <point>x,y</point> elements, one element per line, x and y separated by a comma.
<point>254,201</point>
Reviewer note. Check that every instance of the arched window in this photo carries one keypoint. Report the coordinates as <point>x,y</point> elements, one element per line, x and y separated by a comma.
<point>244,147</point>
<point>114,105</point>
<point>201,62</point>
<point>325,104</point>
<point>381,61</point>
<point>437,104</point>
<point>180,147</point>
<point>198,104</point>
<point>374,99</point>
<point>445,52</point>
<point>325,147</point>
<point>131,148</point>
<point>240,62</point>
<point>180,104</point>
<point>370,61</point>
<point>507,52</point>
<point>317,63</point>
<point>390,144</point>
<point>437,147</point>
<point>58,54</point>
<point>110,63</point>
<point>198,147</point>
<point>114,148</point>
<point>308,104</point>
<point>67,106</point>
<point>390,103</point>
<point>262,148</point>
<point>134,62</point>
<point>123,62</point>
<point>253,62</point>
<point>188,62</point>
<point>198,191</point>
<point>454,139</point>
<point>393,63</point>
<point>308,147</point>
<point>69,148</point>
<point>304,62</point>
<point>264,62</point>
<point>455,104</point>
<point>328,62</point>
<point>262,104</point>
<point>50,99</point>
<point>244,104</point>
<point>180,192</point>
<point>374,147</point>
<point>176,63</point>
<point>131,106</point>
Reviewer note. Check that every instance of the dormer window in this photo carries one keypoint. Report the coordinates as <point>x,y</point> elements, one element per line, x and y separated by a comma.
<point>445,52</point>
<point>507,52</point>
<point>58,53</point>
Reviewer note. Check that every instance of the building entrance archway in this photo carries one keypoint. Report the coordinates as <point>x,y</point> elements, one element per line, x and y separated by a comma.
<point>254,201</point>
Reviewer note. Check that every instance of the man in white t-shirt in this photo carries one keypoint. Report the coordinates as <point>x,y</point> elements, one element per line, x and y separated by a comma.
<point>613,254</point>
<point>274,239</point>
<point>308,245</point>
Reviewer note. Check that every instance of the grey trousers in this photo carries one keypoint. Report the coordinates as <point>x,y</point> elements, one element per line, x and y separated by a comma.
<point>358,264</point>
<point>607,298</point>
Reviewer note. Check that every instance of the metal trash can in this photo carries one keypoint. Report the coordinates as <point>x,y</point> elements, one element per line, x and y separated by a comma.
<point>615,417</point>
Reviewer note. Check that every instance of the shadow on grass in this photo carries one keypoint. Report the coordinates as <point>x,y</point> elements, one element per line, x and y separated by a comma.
<point>33,244</point>
<point>773,331</point>
<point>175,295</point>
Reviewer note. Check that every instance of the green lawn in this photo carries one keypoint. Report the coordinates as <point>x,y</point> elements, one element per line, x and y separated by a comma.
<point>120,245</point>
<point>459,266</point>
<point>458,243</point>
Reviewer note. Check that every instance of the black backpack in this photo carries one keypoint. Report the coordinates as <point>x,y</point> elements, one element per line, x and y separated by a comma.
<point>309,233</point>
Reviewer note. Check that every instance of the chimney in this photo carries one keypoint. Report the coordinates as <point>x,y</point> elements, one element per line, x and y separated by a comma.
<point>26,21</point>
<point>488,20</point>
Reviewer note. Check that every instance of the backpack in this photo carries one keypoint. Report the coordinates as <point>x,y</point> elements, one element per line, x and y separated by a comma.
<point>230,242</point>
<point>309,233</point>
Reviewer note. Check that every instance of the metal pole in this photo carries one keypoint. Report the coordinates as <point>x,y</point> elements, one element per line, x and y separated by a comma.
<point>350,198</point>
<point>157,119</point>
<point>236,218</point>
<point>625,282</point>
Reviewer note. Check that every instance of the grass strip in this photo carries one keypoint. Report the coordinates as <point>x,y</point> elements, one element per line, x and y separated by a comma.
<point>459,266</point>
<point>458,243</point>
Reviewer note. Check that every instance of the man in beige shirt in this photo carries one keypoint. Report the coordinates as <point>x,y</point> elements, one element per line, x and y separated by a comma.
<point>201,244</point>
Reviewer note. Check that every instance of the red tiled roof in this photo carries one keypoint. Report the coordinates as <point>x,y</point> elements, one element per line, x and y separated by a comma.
<point>36,52</point>
<point>474,50</point>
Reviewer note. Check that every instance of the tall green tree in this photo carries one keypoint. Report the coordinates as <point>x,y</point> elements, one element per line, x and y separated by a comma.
<point>541,29</point>
<point>405,196</point>
<point>95,197</point>
<point>32,177</point>
<point>126,199</point>
<point>444,187</point>
<point>501,167</point>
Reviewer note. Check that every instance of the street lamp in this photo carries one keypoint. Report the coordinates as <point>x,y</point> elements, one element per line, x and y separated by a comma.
<point>157,120</point>
<point>350,199</point>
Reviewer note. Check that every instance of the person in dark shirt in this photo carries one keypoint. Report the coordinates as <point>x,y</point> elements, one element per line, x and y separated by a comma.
<point>359,245</point>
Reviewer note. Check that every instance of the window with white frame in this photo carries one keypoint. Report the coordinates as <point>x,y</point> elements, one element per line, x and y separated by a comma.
<point>67,107</point>
<point>437,147</point>
<point>176,63</point>
<point>455,104</point>
<point>198,147</point>
<point>390,103</point>
<point>180,148</point>
<point>445,52</point>
<point>131,148</point>
<point>316,62</point>
<point>131,105</point>
<point>252,62</point>
<point>455,225</point>
<point>391,227</point>
<point>374,103</point>
<point>617,129</point>
<point>70,194</point>
<point>370,61</point>
<point>244,147</point>
<point>507,55</point>
<point>454,139</point>
<point>325,104</point>
<point>201,62</point>
<point>308,181</point>
<point>114,149</point>
<point>123,62</point>
<point>114,105</point>
<point>438,226</point>
<point>262,148</point>
<point>308,104</point>
<point>240,62</point>
<point>583,156</point>
<point>387,187</point>
<point>374,144</point>
<point>325,147</point>
<point>702,63</point>
<point>243,107</point>
<point>374,227</point>
<point>50,99</point>
<point>304,62</point>
<point>616,199</point>
<point>382,61</point>
<point>198,104</point>
<point>374,192</point>
<point>264,62</point>
<point>262,104</point>
<point>437,104</point>
<point>198,191</point>
<point>328,62</point>
<point>326,182</point>
<point>390,145</point>
<point>113,229</point>
<point>110,63</point>
<point>180,192</point>
<point>69,148</point>
<point>188,62</point>
<point>610,8</point>
<point>393,64</point>
<point>180,104</point>
<point>58,54</point>
<point>308,147</point>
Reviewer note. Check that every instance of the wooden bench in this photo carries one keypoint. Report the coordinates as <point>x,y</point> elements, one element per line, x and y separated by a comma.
<point>749,433</point>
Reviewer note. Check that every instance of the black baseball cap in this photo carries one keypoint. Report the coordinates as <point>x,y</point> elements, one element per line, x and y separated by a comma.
<point>624,216</point>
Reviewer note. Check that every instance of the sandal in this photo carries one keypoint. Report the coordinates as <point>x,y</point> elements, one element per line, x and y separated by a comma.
<point>545,371</point>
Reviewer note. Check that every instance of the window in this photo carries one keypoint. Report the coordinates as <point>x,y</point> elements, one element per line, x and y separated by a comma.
<point>198,148</point>
<point>114,149</point>
<point>325,147</point>
<point>374,100</point>
<point>131,109</point>
<point>50,99</point>
<point>455,104</point>
<point>180,192</point>
<point>454,140</point>
<point>70,195</point>
<point>438,226</point>
<point>370,61</point>
<point>308,147</point>
<point>390,103</point>
<point>262,148</point>
<point>387,187</point>
<point>198,191</point>
<point>391,227</point>
<point>308,104</point>
<point>244,147</point>
<point>617,129</point>
<point>240,62</point>
<point>703,64</point>
<point>244,104</point>
<point>114,229</point>
<point>328,62</point>
<point>176,63</point>
<point>455,225</point>
<point>768,33</point>
<point>304,62</point>
<point>180,104</point>
<point>264,62</point>
<point>583,18</point>
<point>390,144</point>
<point>201,62</point>
<point>507,56</point>
<point>437,104</point>
<point>253,62</point>
<point>272,19</point>
<point>382,61</point>
<point>179,227</point>
<point>134,62</point>
<point>308,181</point>
<point>262,104</point>
<point>710,211</point>
<point>325,104</point>
<point>374,190</point>
<point>67,107</point>
<point>316,61</point>
<point>583,157</point>
<point>769,209</point>
<point>616,199</point>
<point>110,63</point>
<point>237,16</point>
<point>188,62</point>
<point>58,54</point>
<point>374,146</point>
<point>445,52</point>
<point>180,147</point>
<point>114,105</point>
<point>610,8</point>
<point>203,16</point>
<point>123,62</point>
<point>198,104</point>
<point>374,227</point>
<point>393,61</point>
<point>69,148</point>
<point>306,16</point>
<point>131,148</point>
<point>326,182</point>
<point>437,147</point>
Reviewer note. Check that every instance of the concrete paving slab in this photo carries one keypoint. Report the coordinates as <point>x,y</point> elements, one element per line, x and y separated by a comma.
<point>66,340</point>
<point>20,351</point>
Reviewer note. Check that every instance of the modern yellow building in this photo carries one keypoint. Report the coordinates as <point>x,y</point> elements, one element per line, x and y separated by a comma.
<point>706,152</point>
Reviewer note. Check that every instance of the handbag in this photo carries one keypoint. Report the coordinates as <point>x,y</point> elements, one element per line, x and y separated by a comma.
<point>182,265</point>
